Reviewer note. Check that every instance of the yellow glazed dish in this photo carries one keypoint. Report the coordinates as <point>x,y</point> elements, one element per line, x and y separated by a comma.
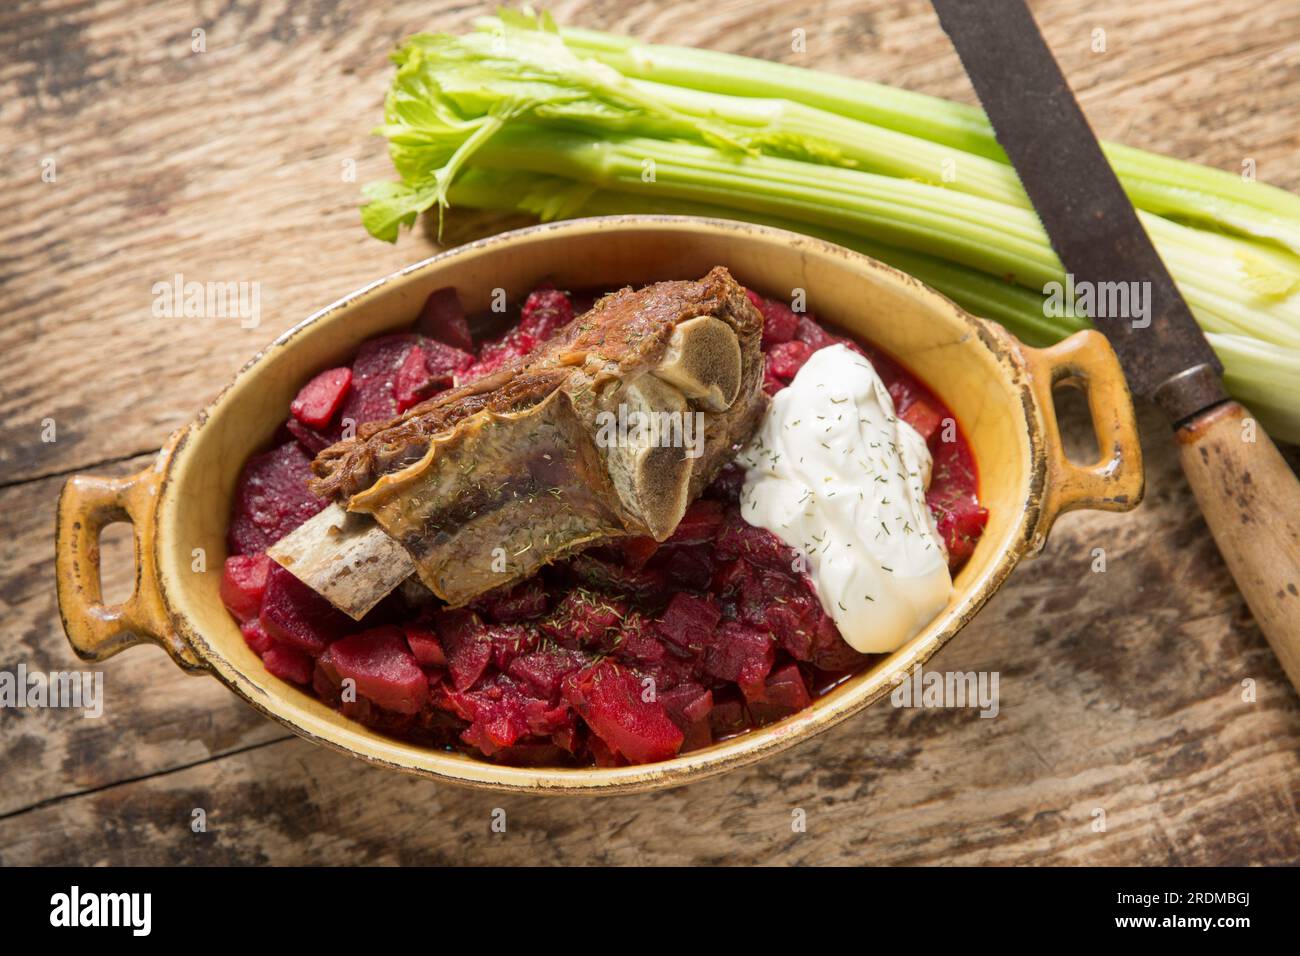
<point>999,390</point>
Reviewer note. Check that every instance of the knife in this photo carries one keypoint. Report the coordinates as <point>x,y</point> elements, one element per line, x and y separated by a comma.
<point>1248,494</point>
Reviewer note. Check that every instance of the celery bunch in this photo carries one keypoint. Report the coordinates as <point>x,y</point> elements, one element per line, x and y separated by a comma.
<point>522,116</point>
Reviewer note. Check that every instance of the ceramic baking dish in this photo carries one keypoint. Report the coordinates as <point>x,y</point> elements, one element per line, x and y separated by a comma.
<point>999,389</point>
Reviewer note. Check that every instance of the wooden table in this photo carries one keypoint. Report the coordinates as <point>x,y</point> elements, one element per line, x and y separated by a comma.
<point>1121,691</point>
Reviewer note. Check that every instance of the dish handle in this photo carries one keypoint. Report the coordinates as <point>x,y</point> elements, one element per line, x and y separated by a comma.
<point>1115,481</point>
<point>97,631</point>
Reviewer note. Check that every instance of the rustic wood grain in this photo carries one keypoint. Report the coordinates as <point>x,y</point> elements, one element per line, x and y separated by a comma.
<point>1121,691</point>
<point>155,716</point>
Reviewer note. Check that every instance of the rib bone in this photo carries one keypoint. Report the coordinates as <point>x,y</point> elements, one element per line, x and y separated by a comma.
<point>650,465</point>
<point>484,484</point>
<point>346,558</point>
<point>703,360</point>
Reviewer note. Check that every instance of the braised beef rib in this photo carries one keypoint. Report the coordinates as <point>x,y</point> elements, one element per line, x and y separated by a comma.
<point>610,429</point>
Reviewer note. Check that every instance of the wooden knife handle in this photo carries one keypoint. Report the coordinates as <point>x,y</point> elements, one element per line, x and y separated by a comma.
<point>1251,501</point>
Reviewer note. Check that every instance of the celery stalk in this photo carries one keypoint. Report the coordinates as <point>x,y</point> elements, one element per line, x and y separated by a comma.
<point>524,117</point>
<point>973,231</point>
<point>1159,184</point>
<point>533,76</point>
<point>1260,376</point>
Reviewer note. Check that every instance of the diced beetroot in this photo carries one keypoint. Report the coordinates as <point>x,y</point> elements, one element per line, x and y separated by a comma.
<point>786,689</point>
<point>381,664</point>
<point>737,538</point>
<point>427,369</point>
<point>603,755</point>
<point>320,398</point>
<point>639,643</point>
<point>794,621</point>
<point>483,368</point>
<point>754,599</point>
<point>255,636</point>
<point>609,698</point>
<point>521,602</point>
<point>729,715</point>
<point>513,345</point>
<point>961,526</point>
<point>443,319</point>
<point>669,671</point>
<point>509,641</point>
<point>923,417</point>
<point>243,584</point>
<point>952,501</point>
<point>728,485</point>
<point>954,474</point>
<point>779,323</point>
<point>464,639</point>
<point>443,362</point>
<point>689,621</point>
<point>440,698</point>
<point>497,354</point>
<point>373,372</point>
<point>364,711</point>
<point>544,312</point>
<point>325,686</point>
<point>851,345</point>
<point>411,383</point>
<point>572,735</point>
<point>688,566</point>
<point>731,582</point>
<point>697,736</point>
<point>605,576</point>
<point>544,670</point>
<point>424,645</point>
<point>741,654</point>
<point>498,714</point>
<point>271,499</point>
<point>296,615</point>
<point>831,652</point>
<point>786,358</point>
<point>689,707</point>
<point>545,719</point>
<point>585,619</point>
<point>288,663</point>
<point>687,703</point>
<point>700,524</point>
<point>699,708</point>
<point>469,663</point>
<point>313,442</point>
<point>813,334</point>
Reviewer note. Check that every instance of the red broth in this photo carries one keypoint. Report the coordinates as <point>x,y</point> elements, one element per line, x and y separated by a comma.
<point>631,652</point>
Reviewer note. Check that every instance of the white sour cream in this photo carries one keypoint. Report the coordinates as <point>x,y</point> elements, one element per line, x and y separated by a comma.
<point>837,476</point>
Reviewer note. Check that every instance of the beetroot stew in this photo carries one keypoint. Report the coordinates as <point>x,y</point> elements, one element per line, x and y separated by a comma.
<point>627,653</point>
